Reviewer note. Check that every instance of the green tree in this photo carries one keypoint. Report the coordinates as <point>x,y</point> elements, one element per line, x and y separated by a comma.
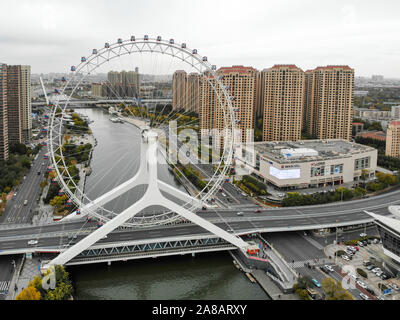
<point>334,291</point>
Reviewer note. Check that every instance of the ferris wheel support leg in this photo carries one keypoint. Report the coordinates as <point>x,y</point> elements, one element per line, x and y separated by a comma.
<point>139,179</point>
<point>98,234</point>
<point>178,194</point>
<point>237,241</point>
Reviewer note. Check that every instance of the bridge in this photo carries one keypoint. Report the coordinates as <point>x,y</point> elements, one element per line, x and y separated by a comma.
<point>86,102</point>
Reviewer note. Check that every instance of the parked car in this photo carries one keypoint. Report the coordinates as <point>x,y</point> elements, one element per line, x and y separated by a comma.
<point>344,257</point>
<point>393,286</point>
<point>366,263</point>
<point>354,277</point>
<point>360,244</point>
<point>364,296</point>
<point>370,291</point>
<point>316,283</point>
<point>376,241</point>
<point>370,267</point>
<point>362,284</point>
<point>324,269</point>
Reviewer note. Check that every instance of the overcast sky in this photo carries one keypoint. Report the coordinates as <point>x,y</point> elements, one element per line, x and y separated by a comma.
<point>51,35</point>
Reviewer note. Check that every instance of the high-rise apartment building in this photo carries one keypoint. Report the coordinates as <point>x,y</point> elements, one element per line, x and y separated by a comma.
<point>193,92</point>
<point>14,104</point>
<point>122,84</point>
<point>393,139</point>
<point>283,89</point>
<point>3,113</point>
<point>179,86</point>
<point>241,84</point>
<point>328,102</point>
<point>26,103</point>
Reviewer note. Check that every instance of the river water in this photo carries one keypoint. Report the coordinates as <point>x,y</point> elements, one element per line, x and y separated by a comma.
<point>205,276</point>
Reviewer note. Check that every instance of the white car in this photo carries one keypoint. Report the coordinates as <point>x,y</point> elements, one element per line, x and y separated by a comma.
<point>364,296</point>
<point>362,284</point>
<point>363,235</point>
<point>393,286</point>
<point>328,267</point>
<point>32,242</point>
<point>344,257</point>
<point>240,213</point>
<point>354,277</point>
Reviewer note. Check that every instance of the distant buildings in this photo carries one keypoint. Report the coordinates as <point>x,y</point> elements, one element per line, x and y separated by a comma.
<point>376,135</point>
<point>393,139</point>
<point>15,106</point>
<point>356,127</point>
<point>124,84</point>
<point>395,113</point>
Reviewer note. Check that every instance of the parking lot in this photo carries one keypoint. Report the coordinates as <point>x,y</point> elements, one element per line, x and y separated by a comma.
<point>367,257</point>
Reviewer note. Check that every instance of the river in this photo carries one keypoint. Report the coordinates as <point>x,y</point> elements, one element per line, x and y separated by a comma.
<point>205,276</point>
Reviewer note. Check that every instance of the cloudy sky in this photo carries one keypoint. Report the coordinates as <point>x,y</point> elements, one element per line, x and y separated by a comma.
<point>51,35</point>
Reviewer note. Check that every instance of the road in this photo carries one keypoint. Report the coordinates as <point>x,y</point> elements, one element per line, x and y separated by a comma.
<point>29,189</point>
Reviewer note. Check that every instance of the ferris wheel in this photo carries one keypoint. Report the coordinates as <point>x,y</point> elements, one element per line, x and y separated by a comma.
<point>59,132</point>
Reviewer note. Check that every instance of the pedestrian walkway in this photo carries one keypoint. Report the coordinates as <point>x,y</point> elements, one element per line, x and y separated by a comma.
<point>29,271</point>
<point>312,262</point>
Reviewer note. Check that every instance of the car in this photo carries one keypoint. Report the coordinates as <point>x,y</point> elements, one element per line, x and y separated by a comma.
<point>366,263</point>
<point>257,211</point>
<point>362,284</point>
<point>379,273</point>
<point>324,269</point>
<point>223,194</point>
<point>362,235</point>
<point>42,163</point>
<point>375,241</point>
<point>364,296</point>
<point>355,248</point>
<point>15,194</point>
<point>384,276</point>
<point>329,268</point>
<point>354,277</point>
<point>316,283</point>
<point>344,257</point>
<point>370,267</point>
<point>360,244</point>
<point>394,286</point>
<point>370,290</point>
<point>25,202</point>
<point>240,213</point>
<point>32,242</point>
<point>365,243</point>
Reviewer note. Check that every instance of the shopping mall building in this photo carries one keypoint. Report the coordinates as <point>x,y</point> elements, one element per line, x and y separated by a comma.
<point>307,163</point>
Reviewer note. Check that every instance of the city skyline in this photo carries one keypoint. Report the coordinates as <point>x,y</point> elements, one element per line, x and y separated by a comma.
<point>267,34</point>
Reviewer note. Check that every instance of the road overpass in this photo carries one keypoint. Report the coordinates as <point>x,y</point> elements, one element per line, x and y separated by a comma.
<point>55,236</point>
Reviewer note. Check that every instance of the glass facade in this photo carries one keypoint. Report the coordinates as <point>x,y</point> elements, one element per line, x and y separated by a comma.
<point>390,239</point>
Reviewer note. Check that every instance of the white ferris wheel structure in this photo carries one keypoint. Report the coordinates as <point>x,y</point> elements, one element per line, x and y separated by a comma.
<point>149,152</point>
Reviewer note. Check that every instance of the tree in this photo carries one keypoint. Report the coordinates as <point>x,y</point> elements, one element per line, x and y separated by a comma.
<point>334,290</point>
<point>30,293</point>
